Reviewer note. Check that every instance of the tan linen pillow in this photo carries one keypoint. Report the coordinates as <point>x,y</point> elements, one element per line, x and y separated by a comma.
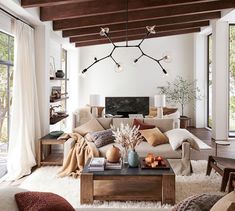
<point>226,203</point>
<point>154,136</point>
<point>91,126</point>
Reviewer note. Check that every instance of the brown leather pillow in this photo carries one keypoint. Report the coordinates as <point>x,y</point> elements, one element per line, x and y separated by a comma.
<point>167,111</point>
<point>141,125</point>
<point>41,201</point>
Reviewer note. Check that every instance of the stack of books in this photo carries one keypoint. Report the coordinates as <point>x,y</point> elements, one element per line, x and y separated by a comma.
<point>96,164</point>
<point>117,165</point>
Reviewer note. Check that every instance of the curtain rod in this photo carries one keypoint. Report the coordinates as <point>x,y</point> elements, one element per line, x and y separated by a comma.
<point>15,17</point>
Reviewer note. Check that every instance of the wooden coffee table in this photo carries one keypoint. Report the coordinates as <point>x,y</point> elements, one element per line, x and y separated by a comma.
<point>128,184</point>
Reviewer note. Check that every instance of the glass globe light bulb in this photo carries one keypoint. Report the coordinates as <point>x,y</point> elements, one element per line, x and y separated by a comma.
<point>104,31</point>
<point>118,68</point>
<point>151,29</point>
<point>166,57</point>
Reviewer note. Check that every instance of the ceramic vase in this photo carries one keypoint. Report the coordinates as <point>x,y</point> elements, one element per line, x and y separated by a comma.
<point>59,74</point>
<point>133,159</point>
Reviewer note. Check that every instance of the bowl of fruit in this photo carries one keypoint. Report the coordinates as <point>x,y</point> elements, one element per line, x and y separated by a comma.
<point>154,162</point>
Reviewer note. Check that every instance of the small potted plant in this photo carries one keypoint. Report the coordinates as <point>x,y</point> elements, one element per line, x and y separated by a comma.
<point>128,137</point>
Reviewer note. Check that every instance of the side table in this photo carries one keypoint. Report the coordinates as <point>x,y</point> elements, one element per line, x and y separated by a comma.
<point>51,158</point>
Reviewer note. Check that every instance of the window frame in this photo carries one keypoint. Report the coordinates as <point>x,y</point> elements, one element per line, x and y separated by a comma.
<point>8,65</point>
<point>208,72</point>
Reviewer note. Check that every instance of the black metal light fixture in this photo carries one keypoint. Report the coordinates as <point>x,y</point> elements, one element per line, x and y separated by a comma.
<point>149,30</point>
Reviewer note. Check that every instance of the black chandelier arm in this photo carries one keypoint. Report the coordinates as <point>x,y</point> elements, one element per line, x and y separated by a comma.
<point>146,35</point>
<point>110,40</point>
<point>158,61</point>
<point>96,61</point>
<point>114,60</point>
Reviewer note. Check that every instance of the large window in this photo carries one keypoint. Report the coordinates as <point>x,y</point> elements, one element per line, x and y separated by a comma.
<point>6,79</point>
<point>232,80</point>
<point>209,81</point>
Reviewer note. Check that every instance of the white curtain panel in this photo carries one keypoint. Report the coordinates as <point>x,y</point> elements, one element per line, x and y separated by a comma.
<point>24,127</point>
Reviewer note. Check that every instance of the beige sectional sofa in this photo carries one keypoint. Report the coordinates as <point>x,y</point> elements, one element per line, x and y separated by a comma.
<point>165,150</point>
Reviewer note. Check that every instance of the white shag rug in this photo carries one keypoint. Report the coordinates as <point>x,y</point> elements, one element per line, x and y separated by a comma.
<point>45,179</point>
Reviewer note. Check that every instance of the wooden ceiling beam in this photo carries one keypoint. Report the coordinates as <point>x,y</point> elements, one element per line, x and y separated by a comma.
<point>101,7</point>
<point>137,37</point>
<point>141,31</point>
<point>143,15</point>
<point>139,24</point>
<point>43,3</point>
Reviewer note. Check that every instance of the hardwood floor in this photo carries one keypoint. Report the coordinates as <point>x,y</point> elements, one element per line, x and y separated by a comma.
<point>205,135</point>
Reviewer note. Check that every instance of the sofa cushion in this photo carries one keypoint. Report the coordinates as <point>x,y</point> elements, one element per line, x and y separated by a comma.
<point>39,201</point>
<point>7,198</point>
<point>105,122</point>
<point>178,136</point>
<point>154,136</point>
<point>163,124</point>
<point>201,202</point>
<point>117,121</point>
<point>225,203</point>
<point>141,125</point>
<point>91,126</point>
<point>102,138</point>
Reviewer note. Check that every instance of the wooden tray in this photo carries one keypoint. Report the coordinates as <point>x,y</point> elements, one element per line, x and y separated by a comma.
<point>144,166</point>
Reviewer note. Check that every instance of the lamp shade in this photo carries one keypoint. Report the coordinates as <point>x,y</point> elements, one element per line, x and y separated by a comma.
<point>95,100</point>
<point>159,100</point>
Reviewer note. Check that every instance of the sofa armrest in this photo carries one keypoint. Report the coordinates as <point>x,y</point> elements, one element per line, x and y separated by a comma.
<point>68,145</point>
<point>186,151</point>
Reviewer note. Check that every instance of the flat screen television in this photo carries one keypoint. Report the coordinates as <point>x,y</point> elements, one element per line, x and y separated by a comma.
<point>127,105</point>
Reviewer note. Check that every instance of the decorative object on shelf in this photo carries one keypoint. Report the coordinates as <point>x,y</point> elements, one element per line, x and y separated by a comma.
<point>96,107</point>
<point>160,102</point>
<point>59,74</point>
<point>56,133</point>
<point>55,93</point>
<point>113,154</point>
<point>133,158</point>
<point>52,110</point>
<point>52,67</point>
<point>128,137</point>
<point>149,30</point>
<point>181,91</point>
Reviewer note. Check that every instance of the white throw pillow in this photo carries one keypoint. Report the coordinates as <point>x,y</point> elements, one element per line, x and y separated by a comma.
<point>178,136</point>
<point>7,198</point>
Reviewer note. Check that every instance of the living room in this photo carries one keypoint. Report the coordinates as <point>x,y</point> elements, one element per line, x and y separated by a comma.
<point>127,106</point>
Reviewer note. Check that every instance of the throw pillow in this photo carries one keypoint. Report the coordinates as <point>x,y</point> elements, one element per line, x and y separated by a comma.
<point>202,202</point>
<point>154,136</point>
<point>178,136</point>
<point>39,201</point>
<point>225,203</point>
<point>141,125</point>
<point>167,111</point>
<point>102,138</point>
<point>91,126</point>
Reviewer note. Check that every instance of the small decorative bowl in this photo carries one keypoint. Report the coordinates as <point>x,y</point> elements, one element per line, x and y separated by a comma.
<point>56,133</point>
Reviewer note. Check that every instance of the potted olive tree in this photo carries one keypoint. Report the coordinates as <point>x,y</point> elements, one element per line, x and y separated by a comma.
<point>181,92</point>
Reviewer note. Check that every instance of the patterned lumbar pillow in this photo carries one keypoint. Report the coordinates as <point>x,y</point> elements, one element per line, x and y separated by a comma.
<point>102,138</point>
<point>201,202</point>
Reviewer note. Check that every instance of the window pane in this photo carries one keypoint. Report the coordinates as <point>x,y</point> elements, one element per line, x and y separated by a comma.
<point>3,47</point>
<point>11,49</point>
<point>209,91</point>
<point>232,80</point>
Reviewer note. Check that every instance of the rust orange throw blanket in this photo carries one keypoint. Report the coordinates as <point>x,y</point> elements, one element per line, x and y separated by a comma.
<point>78,156</point>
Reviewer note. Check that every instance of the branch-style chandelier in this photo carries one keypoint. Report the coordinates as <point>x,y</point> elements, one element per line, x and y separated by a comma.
<point>149,30</point>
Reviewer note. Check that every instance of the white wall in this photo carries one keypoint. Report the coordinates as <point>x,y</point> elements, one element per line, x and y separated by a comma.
<point>141,79</point>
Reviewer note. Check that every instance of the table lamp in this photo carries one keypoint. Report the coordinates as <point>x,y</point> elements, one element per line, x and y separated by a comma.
<point>160,102</point>
<point>95,103</point>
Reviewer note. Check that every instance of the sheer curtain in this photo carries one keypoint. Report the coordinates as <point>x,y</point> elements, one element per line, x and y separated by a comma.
<point>24,127</point>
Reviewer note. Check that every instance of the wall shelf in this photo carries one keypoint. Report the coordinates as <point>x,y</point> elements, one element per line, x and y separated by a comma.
<point>54,120</point>
<point>60,99</point>
<point>58,79</point>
